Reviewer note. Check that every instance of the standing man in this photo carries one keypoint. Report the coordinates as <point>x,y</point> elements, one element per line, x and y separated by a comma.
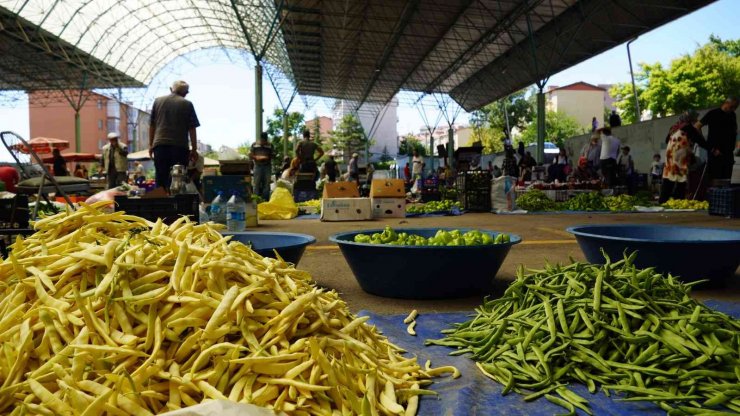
<point>721,138</point>
<point>608,158</point>
<point>614,119</point>
<point>173,119</point>
<point>331,168</point>
<point>353,170</point>
<point>305,152</point>
<point>261,154</point>
<point>114,161</point>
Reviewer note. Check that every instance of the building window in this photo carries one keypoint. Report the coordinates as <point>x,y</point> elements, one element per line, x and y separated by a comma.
<point>100,124</point>
<point>100,104</point>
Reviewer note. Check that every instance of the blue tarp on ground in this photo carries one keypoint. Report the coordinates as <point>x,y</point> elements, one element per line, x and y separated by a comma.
<point>473,394</point>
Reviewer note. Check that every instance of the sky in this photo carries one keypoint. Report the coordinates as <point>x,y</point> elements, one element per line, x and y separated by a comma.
<point>223,92</point>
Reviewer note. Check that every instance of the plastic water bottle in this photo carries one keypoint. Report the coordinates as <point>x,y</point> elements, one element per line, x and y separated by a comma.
<point>218,211</point>
<point>236,213</point>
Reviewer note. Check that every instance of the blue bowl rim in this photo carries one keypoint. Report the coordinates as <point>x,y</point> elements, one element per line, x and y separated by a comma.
<point>515,239</point>
<point>309,238</point>
<point>575,230</point>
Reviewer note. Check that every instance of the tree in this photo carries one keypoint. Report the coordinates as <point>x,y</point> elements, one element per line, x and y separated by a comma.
<point>695,81</point>
<point>519,109</point>
<point>558,127</point>
<point>490,138</point>
<point>730,47</point>
<point>625,101</point>
<point>409,143</point>
<point>349,136</point>
<point>275,131</point>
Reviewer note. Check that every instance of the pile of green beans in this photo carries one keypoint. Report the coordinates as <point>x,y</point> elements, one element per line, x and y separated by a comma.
<point>614,327</point>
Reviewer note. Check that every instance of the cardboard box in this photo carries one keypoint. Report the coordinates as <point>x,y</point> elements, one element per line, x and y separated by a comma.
<point>388,207</point>
<point>341,190</point>
<point>226,184</point>
<point>388,188</point>
<point>346,209</point>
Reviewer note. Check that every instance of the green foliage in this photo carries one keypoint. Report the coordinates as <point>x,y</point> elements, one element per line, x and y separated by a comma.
<point>409,143</point>
<point>489,123</point>
<point>520,110</point>
<point>275,131</point>
<point>730,47</point>
<point>701,80</point>
<point>625,101</point>
<point>349,136</point>
<point>558,127</point>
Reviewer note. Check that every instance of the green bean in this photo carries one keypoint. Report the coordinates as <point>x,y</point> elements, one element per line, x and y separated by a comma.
<point>615,326</point>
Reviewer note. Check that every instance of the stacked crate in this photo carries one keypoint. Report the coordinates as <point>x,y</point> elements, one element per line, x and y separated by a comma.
<point>388,198</point>
<point>474,190</point>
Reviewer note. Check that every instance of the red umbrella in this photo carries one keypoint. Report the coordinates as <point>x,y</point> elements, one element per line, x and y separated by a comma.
<point>73,157</point>
<point>42,145</point>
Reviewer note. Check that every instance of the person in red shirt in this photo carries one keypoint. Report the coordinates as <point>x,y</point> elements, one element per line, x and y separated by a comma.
<point>9,175</point>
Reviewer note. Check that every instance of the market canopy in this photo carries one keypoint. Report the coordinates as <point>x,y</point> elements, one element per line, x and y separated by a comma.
<point>475,50</point>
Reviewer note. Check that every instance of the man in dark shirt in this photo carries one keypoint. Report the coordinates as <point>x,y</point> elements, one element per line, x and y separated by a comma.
<point>331,168</point>
<point>173,119</point>
<point>614,119</point>
<point>262,154</point>
<point>721,138</point>
<point>305,152</point>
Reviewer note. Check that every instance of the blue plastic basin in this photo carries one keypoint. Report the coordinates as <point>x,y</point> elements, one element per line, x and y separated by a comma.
<point>692,253</point>
<point>290,246</point>
<point>423,272</point>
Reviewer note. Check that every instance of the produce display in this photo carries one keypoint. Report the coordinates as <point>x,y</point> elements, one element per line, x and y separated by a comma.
<point>685,204</point>
<point>112,314</point>
<point>441,238</point>
<point>535,200</point>
<point>611,327</point>
<point>622,202</point>
<point>433,206</point>
<point>313,204</point>
<point>586,201</point>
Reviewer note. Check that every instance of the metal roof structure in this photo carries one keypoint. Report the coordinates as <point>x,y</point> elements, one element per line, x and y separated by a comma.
<point>475,50</point>
<point>364,51</point>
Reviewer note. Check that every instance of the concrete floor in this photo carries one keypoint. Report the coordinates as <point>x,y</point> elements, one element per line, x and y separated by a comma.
<point>545,239</point>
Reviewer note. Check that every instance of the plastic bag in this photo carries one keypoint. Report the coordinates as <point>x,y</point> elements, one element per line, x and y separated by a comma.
<point>227,153</point>
<point>503,195</point>
<point>280,207</point>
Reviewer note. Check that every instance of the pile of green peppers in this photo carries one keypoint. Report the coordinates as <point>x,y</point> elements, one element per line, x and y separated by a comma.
<point>389,236</point>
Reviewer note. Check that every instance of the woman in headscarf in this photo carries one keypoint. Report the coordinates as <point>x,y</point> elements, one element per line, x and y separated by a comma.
<point>679,154</point>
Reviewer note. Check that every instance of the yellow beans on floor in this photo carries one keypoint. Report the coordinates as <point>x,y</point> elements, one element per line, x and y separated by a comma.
<point>112,314</point>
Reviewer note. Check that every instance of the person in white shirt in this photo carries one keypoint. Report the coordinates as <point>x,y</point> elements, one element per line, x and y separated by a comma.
<point>416,165</point>
<point>608,159</point>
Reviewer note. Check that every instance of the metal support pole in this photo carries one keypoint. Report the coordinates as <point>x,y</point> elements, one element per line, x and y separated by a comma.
<point>285,133</point>
<point>634,88</point>
<point>432,152</point>
<point>258,100</point>
<point>451,149</point>
<point>540,126</point>
<point>78,133</point>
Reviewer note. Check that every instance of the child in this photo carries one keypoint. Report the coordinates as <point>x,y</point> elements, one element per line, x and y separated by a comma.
<point>625,169</point>
<point>656,173</point>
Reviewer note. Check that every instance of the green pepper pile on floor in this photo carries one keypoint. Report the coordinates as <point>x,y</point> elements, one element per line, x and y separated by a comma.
<point>613,327</point>
<point>441,238</point>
